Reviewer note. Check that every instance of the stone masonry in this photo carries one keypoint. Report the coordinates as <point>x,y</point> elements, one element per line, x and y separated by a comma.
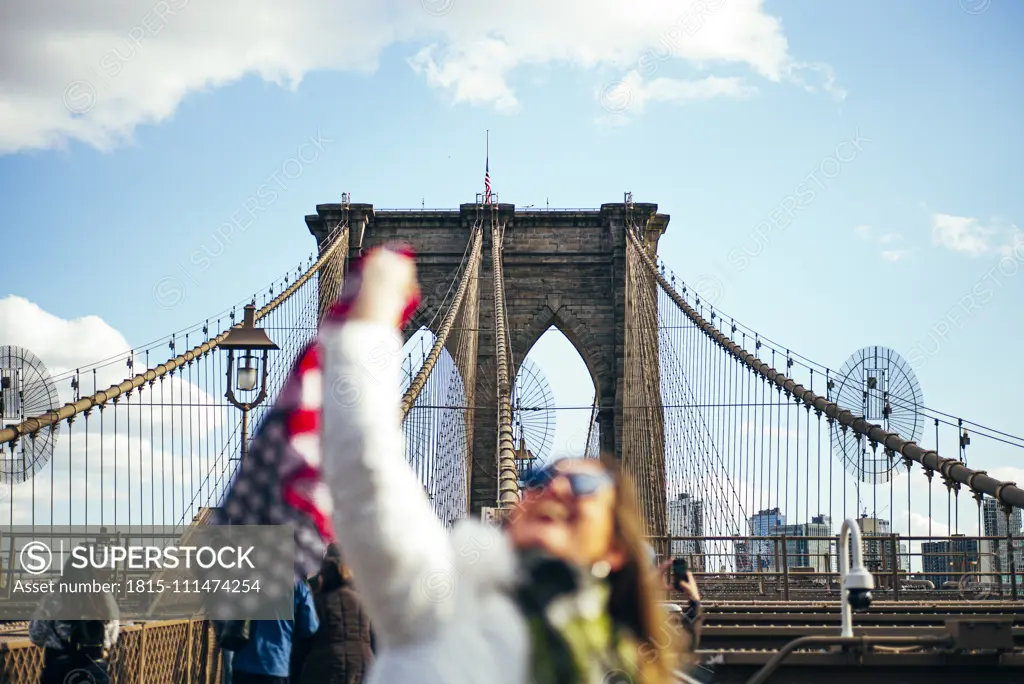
<point>565,268</point>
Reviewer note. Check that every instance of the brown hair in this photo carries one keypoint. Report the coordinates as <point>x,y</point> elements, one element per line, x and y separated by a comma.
<point>634,602</point>
<point>333,571</point>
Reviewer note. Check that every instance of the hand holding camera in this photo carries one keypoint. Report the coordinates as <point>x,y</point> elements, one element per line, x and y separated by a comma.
<point>683,581</point>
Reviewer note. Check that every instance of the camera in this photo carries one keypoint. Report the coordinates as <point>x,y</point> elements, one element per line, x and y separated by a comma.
<point>858,585</point>
<point>859,599</point>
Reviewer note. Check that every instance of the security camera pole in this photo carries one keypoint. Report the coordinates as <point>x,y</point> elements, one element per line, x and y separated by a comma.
<point>856,580</point>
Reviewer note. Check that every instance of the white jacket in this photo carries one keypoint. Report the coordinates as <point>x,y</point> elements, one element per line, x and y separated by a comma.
<point>435,600</point>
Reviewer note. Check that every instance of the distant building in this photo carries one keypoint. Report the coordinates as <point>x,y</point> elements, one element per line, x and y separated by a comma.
<point>995,525</point>
<point>686,519</point>
<point>766,523</point>
<point>812,553</point>
<point>744,562</point>
<point>945,561</point>
<point>877,553</point>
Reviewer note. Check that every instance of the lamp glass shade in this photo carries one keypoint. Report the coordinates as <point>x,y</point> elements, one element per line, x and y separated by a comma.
<point>247,378</point>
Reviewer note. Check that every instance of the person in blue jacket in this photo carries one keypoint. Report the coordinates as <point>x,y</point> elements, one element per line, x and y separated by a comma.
<point>266,658</point>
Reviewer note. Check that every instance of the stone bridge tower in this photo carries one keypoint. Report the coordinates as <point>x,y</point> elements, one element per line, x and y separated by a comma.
<point>566,268</point>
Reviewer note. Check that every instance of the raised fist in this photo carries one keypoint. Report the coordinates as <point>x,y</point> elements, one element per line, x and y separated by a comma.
<point>386,290</point>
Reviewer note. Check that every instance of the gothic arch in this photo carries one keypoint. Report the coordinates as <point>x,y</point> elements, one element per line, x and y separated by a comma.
<point>575,330</point>
<point>566,269</point>
<point>420,320</point>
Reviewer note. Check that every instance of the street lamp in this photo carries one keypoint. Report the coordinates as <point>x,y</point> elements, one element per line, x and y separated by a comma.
<point>250,375</point>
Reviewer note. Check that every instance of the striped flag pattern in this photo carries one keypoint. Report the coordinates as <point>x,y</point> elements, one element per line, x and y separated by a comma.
<point>281,483</point>
<point>487,182</point>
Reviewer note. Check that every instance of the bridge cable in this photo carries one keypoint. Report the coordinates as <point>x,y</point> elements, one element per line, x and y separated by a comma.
<point>69,410</point>
<point>508,478</point>
<point>416,386</point>
<point>1004,492</point>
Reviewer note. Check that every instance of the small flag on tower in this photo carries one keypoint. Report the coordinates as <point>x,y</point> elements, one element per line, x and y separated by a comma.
<point>487,172</point>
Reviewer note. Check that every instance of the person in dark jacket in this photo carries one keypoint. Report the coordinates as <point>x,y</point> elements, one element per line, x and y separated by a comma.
<point>340,652</point>
<point>76,648</point>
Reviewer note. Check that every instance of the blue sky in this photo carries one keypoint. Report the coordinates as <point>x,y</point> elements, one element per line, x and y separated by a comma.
<point>98,207</point>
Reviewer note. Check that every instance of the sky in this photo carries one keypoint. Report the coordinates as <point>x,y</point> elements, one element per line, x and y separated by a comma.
<point>838,174</point>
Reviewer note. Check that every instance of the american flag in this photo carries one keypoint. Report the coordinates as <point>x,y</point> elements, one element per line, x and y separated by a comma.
<point>487,182</point>
<point>280,482</point>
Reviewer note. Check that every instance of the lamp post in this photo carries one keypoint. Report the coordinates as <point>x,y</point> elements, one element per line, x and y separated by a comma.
<point>250,373</point>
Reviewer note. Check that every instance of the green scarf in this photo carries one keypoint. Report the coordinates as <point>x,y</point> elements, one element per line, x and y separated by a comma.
<point>574,641</point>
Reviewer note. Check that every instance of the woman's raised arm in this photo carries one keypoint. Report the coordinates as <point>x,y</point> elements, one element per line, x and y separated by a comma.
<point>391,538</point>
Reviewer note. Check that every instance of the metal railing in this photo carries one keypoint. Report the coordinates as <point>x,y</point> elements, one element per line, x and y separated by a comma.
<point>782,567</point>
<point>519,209</point>
<point>179,651</point>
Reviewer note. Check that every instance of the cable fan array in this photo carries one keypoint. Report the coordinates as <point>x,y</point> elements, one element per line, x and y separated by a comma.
<point>26,391</point>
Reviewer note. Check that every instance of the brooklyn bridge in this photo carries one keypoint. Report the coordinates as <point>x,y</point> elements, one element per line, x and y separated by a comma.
<point>748,456</point>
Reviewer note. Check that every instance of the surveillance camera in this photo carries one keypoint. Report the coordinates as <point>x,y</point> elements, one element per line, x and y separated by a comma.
<point>858,585</point>
<point>859,599</point>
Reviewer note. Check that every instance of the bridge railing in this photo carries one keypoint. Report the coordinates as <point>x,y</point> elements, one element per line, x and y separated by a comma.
<point>179,651</point>
<point>782,567</point>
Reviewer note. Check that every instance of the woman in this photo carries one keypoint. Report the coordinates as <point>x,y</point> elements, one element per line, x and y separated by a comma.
<point>80,647</point>
<point>566,594</point>
<point>339,652</point>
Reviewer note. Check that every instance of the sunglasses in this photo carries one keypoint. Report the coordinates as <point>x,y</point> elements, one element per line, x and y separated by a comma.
<point>581,483</point>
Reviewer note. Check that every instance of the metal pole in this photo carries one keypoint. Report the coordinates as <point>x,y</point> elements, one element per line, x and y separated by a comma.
<point>1009,550</point>
<point>775,563</point>
<point>895,566</point>
<point>245,432</point>
<point>785,568</point>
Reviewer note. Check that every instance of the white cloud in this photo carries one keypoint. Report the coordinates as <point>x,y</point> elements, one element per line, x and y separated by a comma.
<point>867,233</point>
<point>632,94</point>
<point>894,254</point>
<point>967,235</point>
<point>95,71</point>
<point>920,525</point>
<point>61,344</point>
<point>1014,246</point>
<point>961,234</point>
<point>828,74</point>
<point>147,438</point>
<point>1007,474</point>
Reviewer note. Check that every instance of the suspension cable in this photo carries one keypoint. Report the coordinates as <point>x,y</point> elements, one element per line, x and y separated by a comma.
<point>32,425</point>
<point>416,386</point>
<point>508,479</point>
<point>1006,492</point>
